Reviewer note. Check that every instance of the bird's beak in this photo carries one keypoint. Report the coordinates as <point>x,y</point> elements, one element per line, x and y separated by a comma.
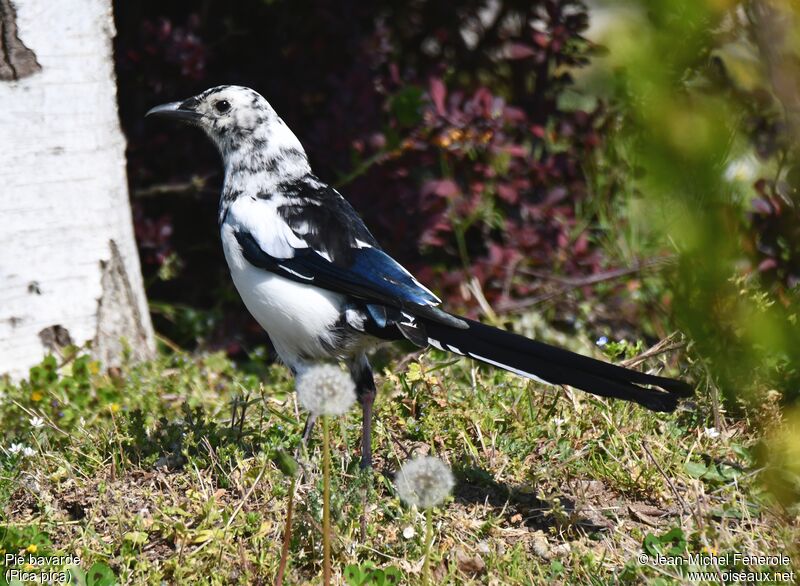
<point>175,111</point>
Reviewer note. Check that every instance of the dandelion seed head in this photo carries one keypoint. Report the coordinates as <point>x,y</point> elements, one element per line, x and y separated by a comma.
<point>425,482</point>
<point>326,390</point>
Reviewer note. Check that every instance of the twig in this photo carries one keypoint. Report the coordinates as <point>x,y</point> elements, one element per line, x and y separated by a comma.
<point>401,364</point>
<point>662,347</point>
<point>569,283</point>
<point>31,413</point>
<point>648,263</point>
<point>246,496</point>
<point>476,289</point>
<point>195,184</point>
<point>684,506</point>
<point>167,342</point>
<point>365,165</point>
<point>699,519</point>
<point>713,391</point>
<point>397,442</point>
<point>510,272</point>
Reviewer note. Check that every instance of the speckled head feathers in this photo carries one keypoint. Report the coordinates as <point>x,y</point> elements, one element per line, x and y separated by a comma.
<point>234,117</point>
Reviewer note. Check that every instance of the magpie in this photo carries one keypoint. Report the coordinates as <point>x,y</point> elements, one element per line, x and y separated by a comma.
<point>316,279</point>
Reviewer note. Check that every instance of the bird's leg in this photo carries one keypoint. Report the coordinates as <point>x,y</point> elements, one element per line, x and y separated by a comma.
<point>309,426</point>
<point>365,389</point>
<point>367,399</point>
<point>307,429</point>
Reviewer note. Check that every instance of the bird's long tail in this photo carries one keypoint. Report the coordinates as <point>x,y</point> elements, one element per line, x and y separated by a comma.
<point>537,360</point>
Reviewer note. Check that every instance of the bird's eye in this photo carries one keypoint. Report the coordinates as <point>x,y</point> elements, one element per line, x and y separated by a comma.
<point>222,106</point>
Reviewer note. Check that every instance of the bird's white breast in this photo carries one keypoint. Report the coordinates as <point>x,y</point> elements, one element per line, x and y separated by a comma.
<point>298,317</point>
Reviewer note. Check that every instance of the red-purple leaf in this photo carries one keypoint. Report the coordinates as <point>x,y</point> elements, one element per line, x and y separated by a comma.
<point>520,51</point>
<point>556,195</point>
<point>507,193</point>
<point>762,206</point>
<point>441,187</point>
<point>515,150</point>
<point>541,39</point>
<point>767,265</point>
<point>438,93</point>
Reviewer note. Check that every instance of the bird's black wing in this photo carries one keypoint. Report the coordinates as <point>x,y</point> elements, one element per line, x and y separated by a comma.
<point>324,219</point>
<point>340,254</point>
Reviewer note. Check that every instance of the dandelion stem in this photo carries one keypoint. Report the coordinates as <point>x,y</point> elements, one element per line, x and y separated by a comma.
<point>287,535</point>
<point>428,542</point>
<point>326,501</point>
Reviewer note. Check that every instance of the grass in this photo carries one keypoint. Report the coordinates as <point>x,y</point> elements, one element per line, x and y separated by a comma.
<point>175,471</point>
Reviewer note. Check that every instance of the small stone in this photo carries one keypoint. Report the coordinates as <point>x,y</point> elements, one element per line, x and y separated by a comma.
<point>561,550</point>
<point>540,545</point>
<point>469,564</point>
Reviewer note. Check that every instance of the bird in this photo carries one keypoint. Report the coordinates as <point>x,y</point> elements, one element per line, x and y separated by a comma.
<point>317,281</point>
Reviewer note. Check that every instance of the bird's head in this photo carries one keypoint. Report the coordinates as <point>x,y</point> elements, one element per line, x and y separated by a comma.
<point>233,117</point>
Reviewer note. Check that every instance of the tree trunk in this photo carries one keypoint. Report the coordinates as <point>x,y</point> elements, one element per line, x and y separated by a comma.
<point>69,269</point>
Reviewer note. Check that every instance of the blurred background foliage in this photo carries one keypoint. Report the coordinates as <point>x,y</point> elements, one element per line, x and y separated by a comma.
<point>620,168</point>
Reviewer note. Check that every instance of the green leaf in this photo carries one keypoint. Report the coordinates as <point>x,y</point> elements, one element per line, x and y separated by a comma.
<point>391,575</point>
<point>742,452</point>
<point>726,512</point>
<point>674,534</point>
<point>100,575</point>
<point>729,472</point>
<point>676,538</point>
<point>652,544</point>
<point>713,475</point>
<point>204,535</point>
<point>695,469</point>
<point>406,106</point>
<point>135,537</point>
<point>414,372</point>
<point>284,462</point>
<point>368,575</point>
<point>354,576</point>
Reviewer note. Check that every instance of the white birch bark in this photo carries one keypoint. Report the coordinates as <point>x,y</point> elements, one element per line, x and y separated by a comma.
<point>69,268</point>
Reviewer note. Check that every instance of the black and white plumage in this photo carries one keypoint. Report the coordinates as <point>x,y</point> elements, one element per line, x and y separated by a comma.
<point>315,278</point>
